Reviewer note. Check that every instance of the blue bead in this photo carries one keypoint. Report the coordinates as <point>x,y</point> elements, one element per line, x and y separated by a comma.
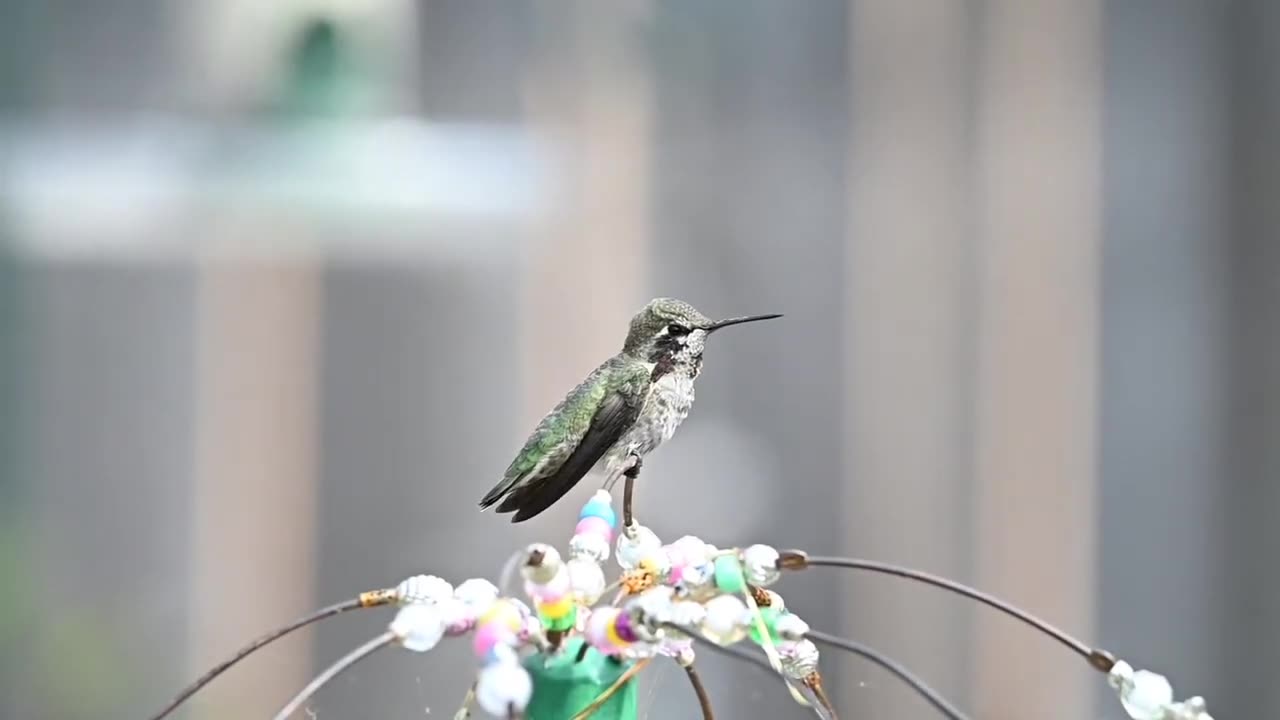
<point>494,656</point>
<point>604,511</point>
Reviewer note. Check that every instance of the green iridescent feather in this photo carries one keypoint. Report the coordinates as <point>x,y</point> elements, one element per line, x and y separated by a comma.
<point>579,430</point>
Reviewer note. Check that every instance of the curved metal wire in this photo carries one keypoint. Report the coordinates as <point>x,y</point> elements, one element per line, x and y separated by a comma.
<point>893,666</point>
<point>704,699</point>
<point>333,671</point>
<point>919,686</point>
<point>247,650</point>
<point>1097,658</point>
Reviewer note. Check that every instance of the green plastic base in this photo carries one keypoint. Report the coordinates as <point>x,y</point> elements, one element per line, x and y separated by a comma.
<point>562,687</point>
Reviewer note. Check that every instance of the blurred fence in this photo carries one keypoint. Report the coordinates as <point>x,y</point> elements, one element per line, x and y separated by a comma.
<point>276,307</point>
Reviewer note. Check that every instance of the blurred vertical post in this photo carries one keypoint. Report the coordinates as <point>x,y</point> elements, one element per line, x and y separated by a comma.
<point>1039,185</point>
<point>256,421</point>
<point>591,95</point>
<point>909,336</point>
<point>255,476</point>
<point>1250,481</point>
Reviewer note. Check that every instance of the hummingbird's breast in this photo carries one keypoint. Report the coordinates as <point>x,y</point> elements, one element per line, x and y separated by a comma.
<point>666,406</point>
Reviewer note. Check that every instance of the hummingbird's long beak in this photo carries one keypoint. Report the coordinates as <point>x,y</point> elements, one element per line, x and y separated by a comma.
<point>737,321</point>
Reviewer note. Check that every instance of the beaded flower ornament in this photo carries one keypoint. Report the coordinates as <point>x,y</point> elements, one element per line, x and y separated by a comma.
<point>566,651</point>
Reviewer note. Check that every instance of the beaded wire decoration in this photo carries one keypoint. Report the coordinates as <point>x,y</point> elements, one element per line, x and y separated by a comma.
<point>561,654</point>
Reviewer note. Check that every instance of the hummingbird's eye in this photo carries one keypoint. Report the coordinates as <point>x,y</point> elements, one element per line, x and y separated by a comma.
<point>674,329</point>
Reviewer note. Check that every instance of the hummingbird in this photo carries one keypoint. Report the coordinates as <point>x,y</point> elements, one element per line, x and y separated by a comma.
<point>627,407</point>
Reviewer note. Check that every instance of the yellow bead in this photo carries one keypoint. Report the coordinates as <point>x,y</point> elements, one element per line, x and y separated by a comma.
<point>503,613</point>
<point>612,633</point>
<point>557,609</point>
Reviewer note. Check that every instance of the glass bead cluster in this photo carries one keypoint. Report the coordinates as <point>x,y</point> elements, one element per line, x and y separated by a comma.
<point>1149,696</point>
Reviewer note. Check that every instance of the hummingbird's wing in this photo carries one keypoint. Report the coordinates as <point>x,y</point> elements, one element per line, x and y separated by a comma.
<point>569,441</point>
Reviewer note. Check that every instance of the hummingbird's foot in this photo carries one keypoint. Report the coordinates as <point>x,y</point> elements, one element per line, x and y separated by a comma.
<point>632,471</point>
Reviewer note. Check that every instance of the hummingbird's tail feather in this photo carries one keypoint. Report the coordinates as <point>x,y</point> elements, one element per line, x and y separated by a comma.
<point>531,500</point>
<point>496,493</point>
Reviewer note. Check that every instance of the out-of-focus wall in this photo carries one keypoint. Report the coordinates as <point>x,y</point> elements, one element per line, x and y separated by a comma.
<point>282,289</point>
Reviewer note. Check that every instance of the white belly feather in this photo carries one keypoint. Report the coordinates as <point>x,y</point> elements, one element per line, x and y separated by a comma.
<point>666,406</point>
<point>664,409</point>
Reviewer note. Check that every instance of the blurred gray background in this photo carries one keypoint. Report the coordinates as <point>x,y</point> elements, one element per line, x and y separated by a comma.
<point>284,284</point>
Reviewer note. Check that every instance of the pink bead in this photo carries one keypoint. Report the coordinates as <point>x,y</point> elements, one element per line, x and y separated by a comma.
<point>547,596</point>
<point>594,526</point>
<point>487,636</point>
<point>676,573</point>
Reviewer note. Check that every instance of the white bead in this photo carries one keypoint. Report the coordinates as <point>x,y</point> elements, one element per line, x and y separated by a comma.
<point>544,571</point>
<point>697,577</point>
<point>726,620</point>
<point>693,550</point>
<point>761,565</point>
<point>532,628</point>
<point>587,580</point>
<point>688,614</point>
<point>631,551</point>
<point>476,593</point>
<point>418,627</point>
<point>502,686</point>
<point>660,563</point>
<point>423,589</point>
<point>799,659</point>
<point>1148,696</point>
<point>455,615</point>
<point>557,586</point>
<point>681,650</point>
<point>1120,677</point>
<point>640,650</point>
<point>792,627</point>
<point>1195,704</point>
<point>686,656</point>
<point>504,653</point>
<point>1190,709</point>
<point>649,610</point>
<point>589,547</point>
<point>521,606</point>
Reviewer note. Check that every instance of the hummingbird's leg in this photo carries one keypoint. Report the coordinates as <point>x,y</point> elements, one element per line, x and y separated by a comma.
<point>631,473</point>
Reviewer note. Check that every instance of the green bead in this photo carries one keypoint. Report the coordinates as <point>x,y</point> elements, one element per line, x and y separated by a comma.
<point>770,617</point>
<point>729,577</point>
<point>561,623</point>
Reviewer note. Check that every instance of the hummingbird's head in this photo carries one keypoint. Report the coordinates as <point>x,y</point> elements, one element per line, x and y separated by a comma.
<point>668,330</point>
